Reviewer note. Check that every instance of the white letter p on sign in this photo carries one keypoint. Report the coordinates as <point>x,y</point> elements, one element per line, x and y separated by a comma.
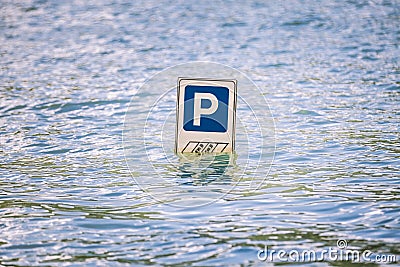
<point>198,110</point>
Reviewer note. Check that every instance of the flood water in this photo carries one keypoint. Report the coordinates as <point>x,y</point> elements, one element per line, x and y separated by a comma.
<point>71,189</point>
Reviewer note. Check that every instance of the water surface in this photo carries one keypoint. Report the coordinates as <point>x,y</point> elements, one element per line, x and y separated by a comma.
<point>329,70</point>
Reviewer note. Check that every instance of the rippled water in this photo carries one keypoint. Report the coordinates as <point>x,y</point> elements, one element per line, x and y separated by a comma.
<point>329,70</point>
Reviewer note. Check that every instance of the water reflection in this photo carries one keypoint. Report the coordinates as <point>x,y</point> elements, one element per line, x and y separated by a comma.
<point>203,169</point>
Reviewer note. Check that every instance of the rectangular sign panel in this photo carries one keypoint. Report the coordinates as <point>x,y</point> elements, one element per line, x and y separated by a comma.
<point>206,115</point>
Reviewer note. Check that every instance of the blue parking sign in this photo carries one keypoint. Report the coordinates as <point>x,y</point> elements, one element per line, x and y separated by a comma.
<point>206,115</point>
<point>206,108</point>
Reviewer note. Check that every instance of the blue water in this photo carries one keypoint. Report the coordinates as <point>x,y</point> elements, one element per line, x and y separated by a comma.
<point>69,196</point>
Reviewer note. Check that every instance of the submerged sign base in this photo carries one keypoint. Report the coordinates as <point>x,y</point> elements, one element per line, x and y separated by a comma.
<point>206,115</point>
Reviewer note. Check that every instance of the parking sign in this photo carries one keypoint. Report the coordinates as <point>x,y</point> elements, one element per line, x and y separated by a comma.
<point>206,115</point>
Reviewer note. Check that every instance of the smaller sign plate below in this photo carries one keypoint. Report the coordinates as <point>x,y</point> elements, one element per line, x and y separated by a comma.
<point>206,115</point>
